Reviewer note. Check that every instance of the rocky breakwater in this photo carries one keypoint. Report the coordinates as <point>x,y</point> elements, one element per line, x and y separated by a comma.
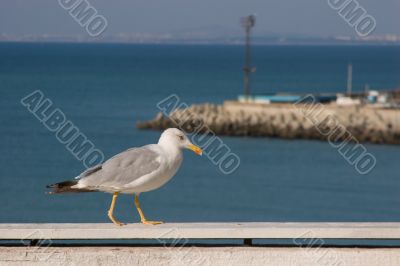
<point>290,121</point>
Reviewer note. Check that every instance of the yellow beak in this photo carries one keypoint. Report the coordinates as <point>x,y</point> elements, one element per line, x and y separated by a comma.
<point>196,149</point>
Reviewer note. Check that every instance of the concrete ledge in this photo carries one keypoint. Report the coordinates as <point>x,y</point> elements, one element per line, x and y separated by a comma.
<point>216,256</point>
<point>201,231</point>
<point>309,253</point>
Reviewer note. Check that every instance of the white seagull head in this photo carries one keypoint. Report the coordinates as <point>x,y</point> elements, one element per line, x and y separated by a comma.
<point>177,138</point>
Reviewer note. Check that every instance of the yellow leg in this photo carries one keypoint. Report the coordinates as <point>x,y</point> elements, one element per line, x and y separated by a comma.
<point>111,210</point>
<point>142,218</point>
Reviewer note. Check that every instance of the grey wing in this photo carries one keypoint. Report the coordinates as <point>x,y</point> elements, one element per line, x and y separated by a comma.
<point>122,169</point>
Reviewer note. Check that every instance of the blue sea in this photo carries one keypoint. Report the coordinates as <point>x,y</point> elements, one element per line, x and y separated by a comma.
<point>104,89</point>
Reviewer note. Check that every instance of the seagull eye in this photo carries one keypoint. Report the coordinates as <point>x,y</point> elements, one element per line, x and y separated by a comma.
<point>181,137</point>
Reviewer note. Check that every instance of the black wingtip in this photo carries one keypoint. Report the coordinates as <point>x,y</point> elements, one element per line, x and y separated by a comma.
<point>66,187</point>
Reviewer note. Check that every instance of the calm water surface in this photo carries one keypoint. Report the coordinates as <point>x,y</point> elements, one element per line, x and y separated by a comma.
<point>105,89</point>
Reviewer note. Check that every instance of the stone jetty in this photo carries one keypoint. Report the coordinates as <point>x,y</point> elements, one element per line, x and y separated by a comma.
<point>290,121</point>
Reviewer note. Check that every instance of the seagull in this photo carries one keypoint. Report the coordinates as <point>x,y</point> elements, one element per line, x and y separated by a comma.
<point>133,171</point>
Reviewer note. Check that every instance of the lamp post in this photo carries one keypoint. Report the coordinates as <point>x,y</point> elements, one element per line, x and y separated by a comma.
<point>248,23</point>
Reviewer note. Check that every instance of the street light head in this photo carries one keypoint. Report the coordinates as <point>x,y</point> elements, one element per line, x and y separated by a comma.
<point>249,21</point>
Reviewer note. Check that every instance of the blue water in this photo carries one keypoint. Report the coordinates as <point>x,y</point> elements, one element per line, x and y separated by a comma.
<point>104,89</point>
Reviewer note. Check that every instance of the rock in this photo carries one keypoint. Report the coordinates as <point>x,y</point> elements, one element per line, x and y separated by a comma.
<point>235,119</point>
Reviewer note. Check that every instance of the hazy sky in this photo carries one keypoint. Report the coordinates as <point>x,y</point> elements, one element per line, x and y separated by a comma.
<point>311,17</point>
